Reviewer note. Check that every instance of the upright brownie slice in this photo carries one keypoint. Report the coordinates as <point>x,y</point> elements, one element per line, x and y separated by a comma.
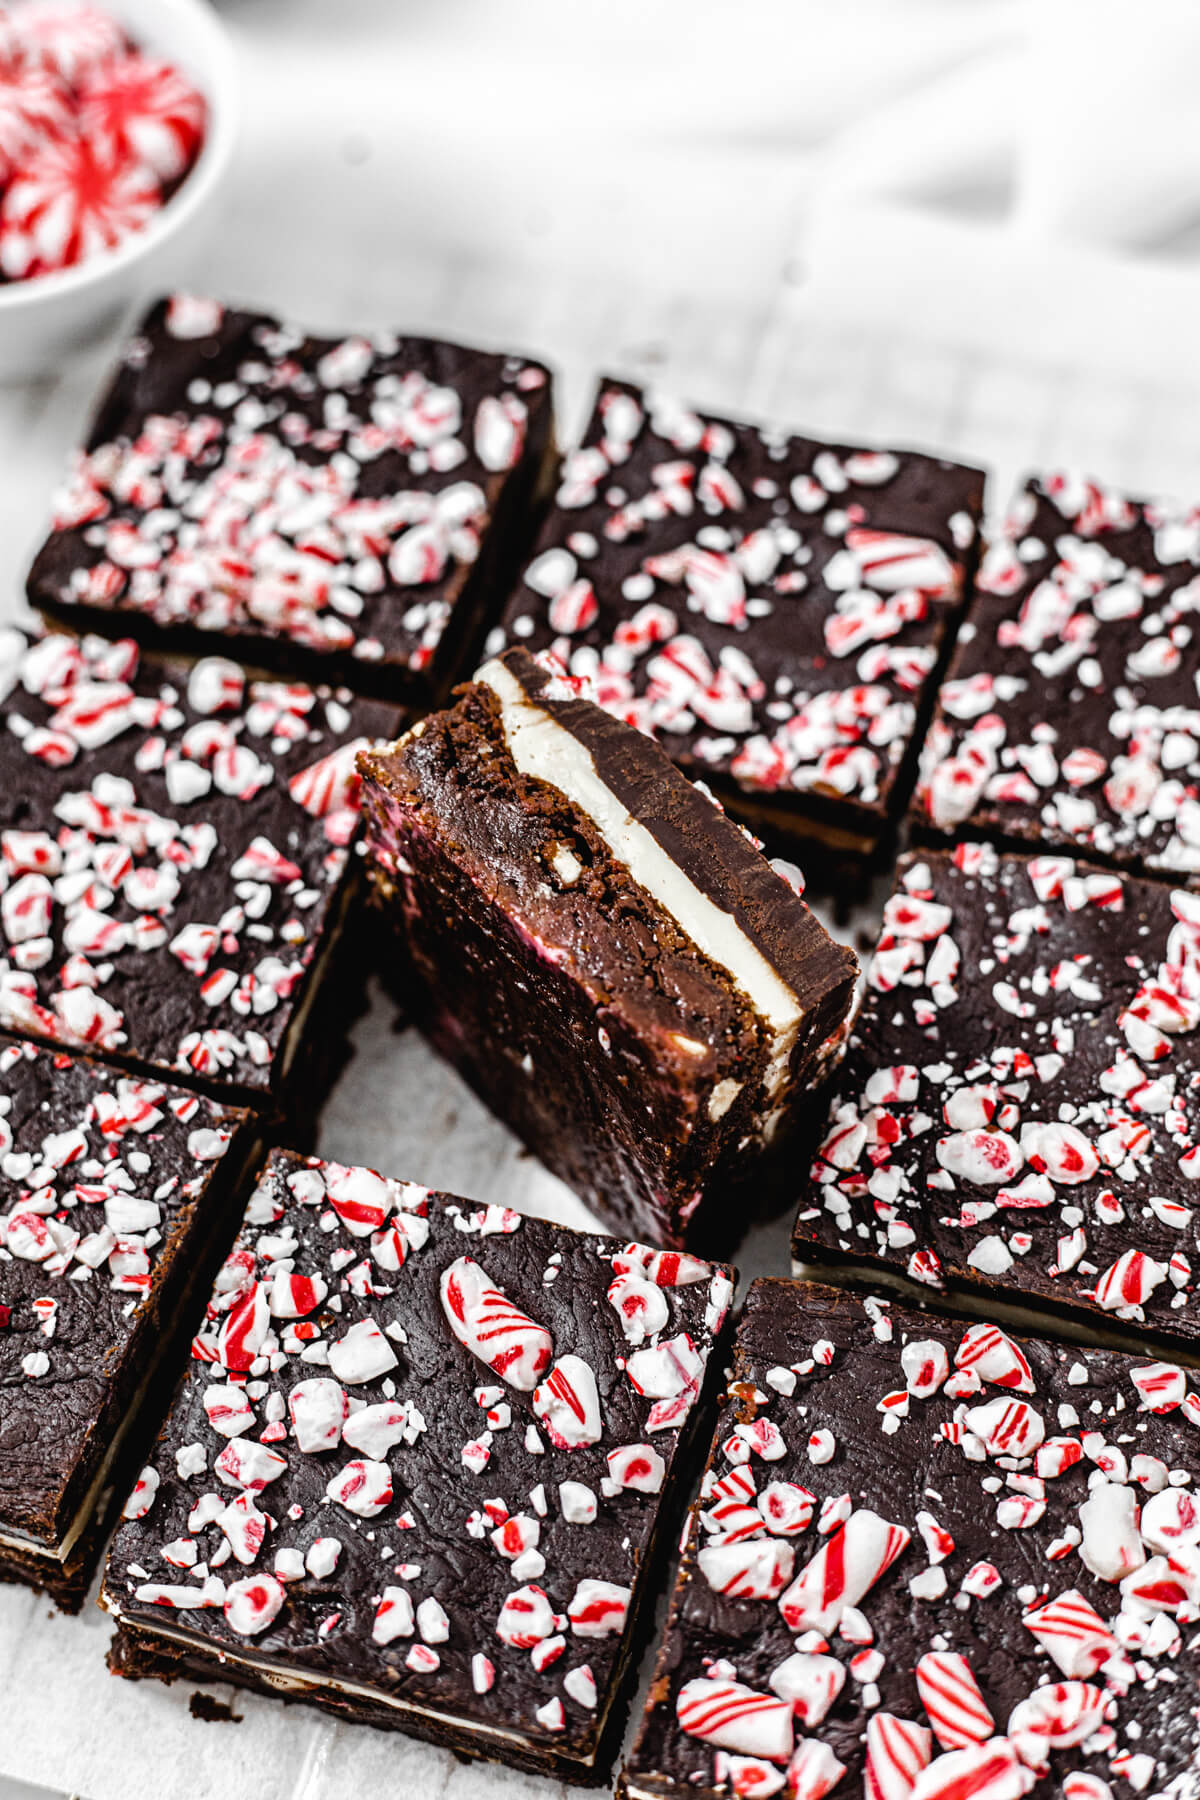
<point>601,951</point>
<point>1017,1114</point>
<point>1070,717</point>
<point>174,855</point>
<point>774,610</point>
<point>113,1192</point>
<point>932,1562</point>
<point>418,1466</point>
<point>340,507</point>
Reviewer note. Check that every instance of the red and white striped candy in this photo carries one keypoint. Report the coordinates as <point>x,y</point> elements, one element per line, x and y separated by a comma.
<point>394,1617</point>
<point>1079,1785</point>
<point>786,1508</point>
<point>487,1323</point>
<point>1072,1632</point>
<point>361,1354</point>
<point>332,783</point>
<point>215,685</point>
<point>1006,1427</point>
<point>984,1157</point>
<point>640,1305</point>
<point>994,1357</point>
<point>845,1569</point>
<point>318,1407</point>
<point>141,1498</point>
<point>568,1404</point>
<point>377,1429</point>
<point>637,1466</point>
<point>34,106</point>
<point>926,1366</point>
<point>140,110</point>
<point>736,1717</point>
<point>598,1608</point>
<point>69,202</point>
<point>263,862</point>
<point>229,1411</point>
<point>67,38</point>
<point>526,1617</point>
<point>252,1604</point>
<point>295,1296</point>
<point>891,562</point>
<point>1161,1386</point>
<point>1171,1519</point>
<point>246,1464</point>
<point>1129,1281</point>
<point>897,1750</point>
<point>666,1268</point>
<point>363,1487</point>
<point>752,1569</point>
<point>243,1329</point>
<point>991,1771</point>
<point>810,1682</point>
<point>1056,1717</point>
<point>950,1695</point>
<point>361,1199</point>
<point>813,1771</point>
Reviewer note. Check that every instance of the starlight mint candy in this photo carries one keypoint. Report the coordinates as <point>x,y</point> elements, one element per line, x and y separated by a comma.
<point>175,860</point>
<point>1016,1114</point>
<point>611,963</point>
<point>1084,612</point>
<point>425,1492</point>
<point>772,609</point>
<point>114,1190</point>
<point>996,1578</point>
<point>95,136</point>
<point>342,507</point>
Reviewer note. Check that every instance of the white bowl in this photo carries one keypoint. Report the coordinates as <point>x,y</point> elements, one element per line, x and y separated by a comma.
<point>44,319</point>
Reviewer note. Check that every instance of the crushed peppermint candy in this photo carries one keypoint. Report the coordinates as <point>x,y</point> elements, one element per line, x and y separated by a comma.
<point>174,847</point>
<point>401,1458</point>
<point>770,608</point>
<point>1018,1105</point>
<point>1084,611</point>
<point>1055,1651</point>
<point>109,1185</point>
<point>297,495</point>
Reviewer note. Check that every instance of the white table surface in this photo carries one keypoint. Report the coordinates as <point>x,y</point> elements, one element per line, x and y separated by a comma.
<point>666,198</point>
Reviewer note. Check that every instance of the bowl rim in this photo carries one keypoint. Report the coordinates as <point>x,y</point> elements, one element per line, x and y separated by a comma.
<point>218,82</point>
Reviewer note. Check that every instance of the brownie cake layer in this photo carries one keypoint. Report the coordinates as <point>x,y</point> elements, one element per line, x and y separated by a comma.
<point>175,856</point>
<point>932,1562</point>
<point>419,1466</point>
<point>1070,719</point>
<point>113,1192</point>
<point>1016,1114</point>
<point>773,609</point>
<point>602,952</point>
<point>342,508</point>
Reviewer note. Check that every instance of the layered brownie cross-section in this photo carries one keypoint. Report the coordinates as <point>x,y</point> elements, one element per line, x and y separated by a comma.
<point>1018,1114</point>
<point>773,609</point>
<point>931,1561</point>
<point>113,1194</point>
<point>175,856</point>
<point>419,1465</point>
<point>1070,718</point>
<point>343,508</point>
<point>603,953</point>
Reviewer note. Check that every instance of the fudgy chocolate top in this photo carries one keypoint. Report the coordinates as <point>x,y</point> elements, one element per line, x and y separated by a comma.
<point>420,1447</point>
<point>1018,1103</point>
<point>928,1550</point>
<point>769,607</point>
<point>173,840</point>
<point>103,1183</point>
<point>1070,717</point>
<point>244,477</point>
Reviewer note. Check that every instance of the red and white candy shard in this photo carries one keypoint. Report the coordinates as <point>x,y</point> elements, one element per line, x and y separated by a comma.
<point>492,1328</point>
<point>736,1717</point>
<point>842,1572</point>
<point>568,1403</point>
<point>68,202</point>
<point>139,110</point>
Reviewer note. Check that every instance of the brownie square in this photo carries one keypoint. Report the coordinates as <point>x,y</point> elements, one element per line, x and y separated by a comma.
<point>932,1561</point>
<point>175,856</point>
<point>1070,720</point>
<point>606,957</point>
<point>113,1190</point>
<point>772,609</point>
<point>1016,1114</point>
<point>419,1466</point>
<point>342,508</point>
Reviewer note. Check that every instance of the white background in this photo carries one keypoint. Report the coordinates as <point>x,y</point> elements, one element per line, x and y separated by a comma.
<point>972,226</point>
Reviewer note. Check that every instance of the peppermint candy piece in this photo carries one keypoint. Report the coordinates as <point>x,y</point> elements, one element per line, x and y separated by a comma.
<point>362,1353</point>
<point>363,1487</point>
<point>488,1324</point>
<point>1006,1427</point>
<point>139,110</point>
<point>950,1695</point>
<point>246,1464</point>
<point>810,1682</point>
<point>897,1750</point>
<point>637,1466</point>
<point>252,1604</point>
<point>1057,1717</point>
<point>995,1358</point>
<point>598,1608</point>
<point>842,1572</point>
<point>526,1617</point>
<point>34,107</point>
<point>317,1408</point>
<point>736,1717</point>
<point>749,1570</point>
<point>991,1771</point>
<point>68,203</point>
<point>377,1429</point>
<point>1072,1632</point>
<point>568,1404</point>
<point>394,1616</point>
